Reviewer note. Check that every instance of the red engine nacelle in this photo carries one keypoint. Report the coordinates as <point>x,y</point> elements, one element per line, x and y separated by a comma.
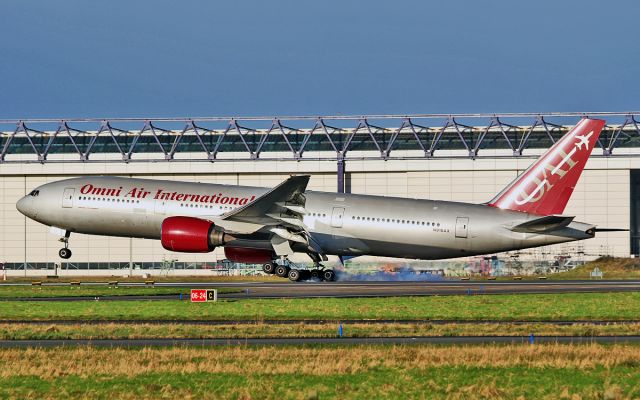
<point>190,235</point>
<point>248,256</point>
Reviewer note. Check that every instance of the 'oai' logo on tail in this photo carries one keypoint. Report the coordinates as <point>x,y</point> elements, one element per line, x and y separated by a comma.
<point>541,180</point>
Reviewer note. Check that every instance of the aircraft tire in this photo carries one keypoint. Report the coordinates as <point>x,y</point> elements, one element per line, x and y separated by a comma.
<point>282,271</point>
<point>269,268</point>
<point>315,274</point>
<point>64,253</point>
<point>305,274</point>
<point>295,275</point>
<point>328,275</point>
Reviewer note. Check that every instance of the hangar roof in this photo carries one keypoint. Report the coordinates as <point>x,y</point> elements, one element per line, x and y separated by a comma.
<point>300,138</point>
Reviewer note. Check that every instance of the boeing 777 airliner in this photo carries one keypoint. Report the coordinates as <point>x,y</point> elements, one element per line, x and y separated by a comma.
<point>267,225</point>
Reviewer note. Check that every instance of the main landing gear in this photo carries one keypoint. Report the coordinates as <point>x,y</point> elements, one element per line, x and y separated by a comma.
<point>65,252</point>
<point>284,270</point>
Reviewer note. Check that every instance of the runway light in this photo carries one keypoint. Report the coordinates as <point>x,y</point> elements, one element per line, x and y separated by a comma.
<point>340,330</point>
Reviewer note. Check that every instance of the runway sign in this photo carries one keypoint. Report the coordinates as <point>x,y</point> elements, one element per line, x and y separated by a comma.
<point>203,295</point>
<point>198,295</point>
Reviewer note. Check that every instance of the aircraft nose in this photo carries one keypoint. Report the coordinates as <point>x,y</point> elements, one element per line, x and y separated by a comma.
<point>25,205</point>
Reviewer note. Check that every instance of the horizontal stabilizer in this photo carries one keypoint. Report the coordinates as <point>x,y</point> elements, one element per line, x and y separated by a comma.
<point>544,224</point>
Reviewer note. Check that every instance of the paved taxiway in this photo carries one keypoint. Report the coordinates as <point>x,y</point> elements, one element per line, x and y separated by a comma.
<point>316,341</point>
<point>357,289</point>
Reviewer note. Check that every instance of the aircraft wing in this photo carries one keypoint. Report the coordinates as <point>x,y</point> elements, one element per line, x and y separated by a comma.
<point>280,212</point>
<point>282,204</point>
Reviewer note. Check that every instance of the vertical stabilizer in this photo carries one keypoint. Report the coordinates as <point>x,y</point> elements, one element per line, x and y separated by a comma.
<point>546,186</point>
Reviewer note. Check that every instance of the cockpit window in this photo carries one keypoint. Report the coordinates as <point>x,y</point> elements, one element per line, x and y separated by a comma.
<point>34,193</point>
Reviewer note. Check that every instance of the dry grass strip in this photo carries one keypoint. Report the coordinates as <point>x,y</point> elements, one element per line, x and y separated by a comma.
<point>87,361</point>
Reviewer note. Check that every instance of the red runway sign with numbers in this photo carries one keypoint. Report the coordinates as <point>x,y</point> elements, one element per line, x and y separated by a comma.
<point>198,295</point>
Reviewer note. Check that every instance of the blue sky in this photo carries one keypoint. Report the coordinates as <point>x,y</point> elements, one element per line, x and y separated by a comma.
<point>78,58</point>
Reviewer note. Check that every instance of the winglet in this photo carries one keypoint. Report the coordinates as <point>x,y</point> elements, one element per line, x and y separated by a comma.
<point>546,186</point>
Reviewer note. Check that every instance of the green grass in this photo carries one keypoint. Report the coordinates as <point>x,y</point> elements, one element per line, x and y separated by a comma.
<point>94,291</point>
<point>456,382</point>
<point>613,268</point>
<point>575,306</point>
<point>549,371</point>
<point>70,291</point>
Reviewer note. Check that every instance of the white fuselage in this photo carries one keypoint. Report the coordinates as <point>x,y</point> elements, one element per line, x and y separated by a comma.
<point>342,224</point>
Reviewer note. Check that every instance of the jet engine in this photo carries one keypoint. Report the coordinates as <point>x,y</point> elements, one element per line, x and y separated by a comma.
<point>191,235</point>
<point>248,256</point>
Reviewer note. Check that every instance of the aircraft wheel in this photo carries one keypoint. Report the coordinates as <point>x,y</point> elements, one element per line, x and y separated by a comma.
<point>64,253</point>
<point>282,271</point>
<point>269,268</point>
<point>316,274</point>
<point>305,274</point>
<point>328,275</point>
<point>294,275</point>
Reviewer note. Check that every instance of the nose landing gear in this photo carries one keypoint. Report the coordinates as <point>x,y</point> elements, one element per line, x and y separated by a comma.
<point>65,252</point>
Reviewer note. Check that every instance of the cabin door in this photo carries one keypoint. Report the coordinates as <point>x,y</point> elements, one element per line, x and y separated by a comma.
<point>337,216</point>
<point>462,227</point>
<point>159,206</point>
<point>67,197</point>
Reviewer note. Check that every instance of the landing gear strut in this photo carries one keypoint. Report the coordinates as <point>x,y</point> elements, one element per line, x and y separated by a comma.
<point>65,252</point>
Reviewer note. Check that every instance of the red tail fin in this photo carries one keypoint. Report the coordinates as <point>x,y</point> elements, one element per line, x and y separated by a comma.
<point>545,187</point>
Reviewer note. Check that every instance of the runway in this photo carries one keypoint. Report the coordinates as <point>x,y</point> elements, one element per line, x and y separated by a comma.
<point>418,340</point>
<point>347,289</point>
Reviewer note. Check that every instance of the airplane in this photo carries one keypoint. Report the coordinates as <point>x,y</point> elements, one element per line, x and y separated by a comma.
<point>267,225</point>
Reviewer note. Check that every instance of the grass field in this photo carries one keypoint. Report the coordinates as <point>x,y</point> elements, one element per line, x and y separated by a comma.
<point>16,331</point>
<point>574,306</point>
<point>613,268</point>
<point>69,291</point>
<point>361,372</point>
<point>95,291</point>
